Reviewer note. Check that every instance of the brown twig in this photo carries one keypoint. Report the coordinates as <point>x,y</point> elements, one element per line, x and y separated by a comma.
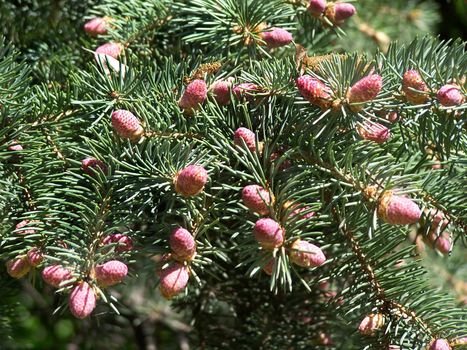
<point>379,37</point>
<point>387,305</point>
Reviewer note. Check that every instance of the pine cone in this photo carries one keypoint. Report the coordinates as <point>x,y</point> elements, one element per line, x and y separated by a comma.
<point>244,135</point>
<point>398,210</point>
<point>268,233</point>
<point>125,243</point>
<point>245,91</point>
<point>374,132</point>
<point>257,199</point>
<point>316,7</point>
<point>305,254</point>
<point>314,90</point>
<point>268,268</point>
<point>111,49</point>
<point>173,280</point>
<point>19,227</point>
<point>35,257</point>
<point>126,125</point>
<point>18,267</point>
<point>194,96</point>
<point>221,91</point>
<point>183,244</point>
<point>276,37</point>
<point>364,90</point>
<point>54,275</point>
<point>450,95</point>
<point>111,273</point>
<point>191,180</point>
<point>413,80</point>
<point>91,165</point>
<point>96,26</point>
<point>82,300</point>
<point>337,13</point>
<point>439,344</point>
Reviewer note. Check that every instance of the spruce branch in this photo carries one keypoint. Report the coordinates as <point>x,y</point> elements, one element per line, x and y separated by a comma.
<point>209,161</point>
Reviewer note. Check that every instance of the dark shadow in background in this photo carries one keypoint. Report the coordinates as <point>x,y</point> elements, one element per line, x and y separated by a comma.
<point>454,19</point>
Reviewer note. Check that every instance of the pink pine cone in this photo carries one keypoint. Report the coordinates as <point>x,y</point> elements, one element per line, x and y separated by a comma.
<point>338,13</point>
<point>18,267</point>
<point>371,323</point>
<point>173,280</point>
<point>413,80</point>
<point>245,136</point>
<point>221,91</point>
<point>276,37</point>
<point>343,10</point>
<point>54,275</point>
<point>317,7</point>
<point>182,243</point>
<point>15,146</point>
<point>191,180</point>
<point>450,95</point>
<point>268,268</point>
<point>91,165</point>
<point>125,243</point>
<point>82,300</point>
<point>126,125</point>
<point>374,132</point>
<point>35,257</point>
<point>305,254</point>
<point>365,90</point>
<point>268,233</point>
<point>314,90</point>
<point>111,273</point>
<point>110,49</point>
<point>398,210</point>
<point>195,94</point>
<point>257,199</point>
<point>96,26</point>
<point>22,224</point>
<point>443,244</point>
<point>439,344</point>
<point>245,91</point>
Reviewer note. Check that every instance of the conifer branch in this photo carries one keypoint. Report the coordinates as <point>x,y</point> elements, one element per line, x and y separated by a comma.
<point>201,145</point>
<point>387,305</point>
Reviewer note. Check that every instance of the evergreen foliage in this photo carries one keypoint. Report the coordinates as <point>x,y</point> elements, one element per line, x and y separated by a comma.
<point>329,180</point>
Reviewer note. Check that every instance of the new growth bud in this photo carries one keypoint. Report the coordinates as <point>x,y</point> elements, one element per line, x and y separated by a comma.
<point>183,244</point>
<point>305,254</point>
<point>191,180</point>
<point>82,300</point>
<point>194,96</point>
<point>126,125</point>
<point>276,37</point>
<point>414,87</point>
<point>173,280</point>
<point>398,210</point>
<point>364,90</point>
<point>268,233</point>
<point>314,90</point>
